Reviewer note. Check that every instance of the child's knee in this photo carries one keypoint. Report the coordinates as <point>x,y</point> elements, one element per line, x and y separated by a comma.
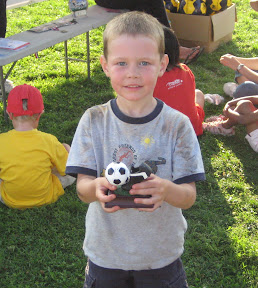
<point>199,97</point>
<point>245,107</point>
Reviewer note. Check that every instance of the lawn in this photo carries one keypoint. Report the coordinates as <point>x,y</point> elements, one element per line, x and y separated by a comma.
<point>42,247</point>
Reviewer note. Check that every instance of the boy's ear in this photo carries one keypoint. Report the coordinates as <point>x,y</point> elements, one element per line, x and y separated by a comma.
<point>164,64</point>
<point>104,65</point>
<point>39,115</point>
<point>10,115</point>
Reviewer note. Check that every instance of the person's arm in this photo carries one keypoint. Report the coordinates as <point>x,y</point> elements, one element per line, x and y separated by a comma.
<point>91,189</point>
<point>231,61</point>
<point>178,195</point>
<point>250,64</point>
<point>253,99</point>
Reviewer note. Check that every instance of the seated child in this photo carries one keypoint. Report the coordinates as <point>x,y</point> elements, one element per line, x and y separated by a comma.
<point>246,76</point>
<point>27,156</point>
<point>246,72</point>
<point>126,248</point>
<point>238,111</point>
<point>177,85</point>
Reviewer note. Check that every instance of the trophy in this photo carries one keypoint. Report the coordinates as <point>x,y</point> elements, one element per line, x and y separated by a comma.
<point>78,7</point>
<point>119,175</point>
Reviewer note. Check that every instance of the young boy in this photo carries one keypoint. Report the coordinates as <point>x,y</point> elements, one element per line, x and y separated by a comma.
<point>27,156</point>
<point>126,248</point>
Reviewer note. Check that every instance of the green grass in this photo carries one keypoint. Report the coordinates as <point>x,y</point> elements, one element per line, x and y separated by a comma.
<point>42,247</point>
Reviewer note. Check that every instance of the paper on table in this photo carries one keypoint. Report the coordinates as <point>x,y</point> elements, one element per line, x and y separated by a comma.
<point>11,44</point>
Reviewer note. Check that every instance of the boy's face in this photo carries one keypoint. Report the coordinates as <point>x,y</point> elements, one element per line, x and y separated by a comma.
<point>133,66</point>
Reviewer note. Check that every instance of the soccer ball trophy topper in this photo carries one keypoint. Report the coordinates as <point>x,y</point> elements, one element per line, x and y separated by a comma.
<point>78,7</point>
<point>119,175</point>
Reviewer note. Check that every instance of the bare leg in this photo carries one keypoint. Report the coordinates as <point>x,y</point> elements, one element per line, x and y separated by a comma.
<point>199,97</point>
<point>241,79</point>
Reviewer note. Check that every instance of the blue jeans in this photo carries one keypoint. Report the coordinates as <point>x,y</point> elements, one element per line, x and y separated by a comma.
<point>248,88</point>
<point>171,276</point>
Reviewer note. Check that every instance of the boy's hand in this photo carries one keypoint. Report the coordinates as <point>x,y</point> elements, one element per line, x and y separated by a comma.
<point>154,186</point>
<point>90,189</point>
<point>102,185</point>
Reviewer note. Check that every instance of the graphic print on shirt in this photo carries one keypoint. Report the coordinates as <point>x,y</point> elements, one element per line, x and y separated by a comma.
<point>147,141</point>
<point>174,84</point>
<point>125,153</point>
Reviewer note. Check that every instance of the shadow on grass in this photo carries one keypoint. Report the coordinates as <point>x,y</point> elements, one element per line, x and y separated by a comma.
<point>208,242</point>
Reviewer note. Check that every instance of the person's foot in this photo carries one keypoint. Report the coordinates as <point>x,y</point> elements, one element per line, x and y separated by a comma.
<point>185,51</point>
<point>189,55</point>
<point>254,4</point>
<point>229,88</point>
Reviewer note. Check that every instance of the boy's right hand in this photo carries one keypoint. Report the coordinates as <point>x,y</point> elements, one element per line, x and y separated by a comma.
<point>102,185</point>
<point>90,189</point>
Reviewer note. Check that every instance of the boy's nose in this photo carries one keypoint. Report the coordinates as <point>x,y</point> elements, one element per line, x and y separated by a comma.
<point>133,71</point>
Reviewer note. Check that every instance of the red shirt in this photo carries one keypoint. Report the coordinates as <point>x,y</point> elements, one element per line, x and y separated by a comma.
<point>177,89</point>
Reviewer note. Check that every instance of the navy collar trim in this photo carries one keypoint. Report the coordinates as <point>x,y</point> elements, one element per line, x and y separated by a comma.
<point>132,120</point>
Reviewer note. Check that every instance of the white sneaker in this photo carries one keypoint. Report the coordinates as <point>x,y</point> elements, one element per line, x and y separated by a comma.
<point>8,85</point>
<point>229,88</point>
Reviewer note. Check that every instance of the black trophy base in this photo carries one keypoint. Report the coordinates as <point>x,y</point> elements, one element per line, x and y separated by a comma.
<point>127,202</point>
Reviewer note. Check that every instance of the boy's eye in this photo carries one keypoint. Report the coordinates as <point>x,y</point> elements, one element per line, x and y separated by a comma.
<point>144,63</point>
<point>121,63</point>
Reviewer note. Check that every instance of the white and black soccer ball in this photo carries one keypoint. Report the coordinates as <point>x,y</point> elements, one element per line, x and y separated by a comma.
<point>117,173</point>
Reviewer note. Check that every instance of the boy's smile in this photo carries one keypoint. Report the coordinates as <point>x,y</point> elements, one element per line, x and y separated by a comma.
<point>133,66</point>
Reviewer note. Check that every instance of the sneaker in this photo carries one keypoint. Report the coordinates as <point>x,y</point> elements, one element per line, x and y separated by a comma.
<point>8,85</point>
<point>216,118</point>
<point>229,88</point>
<point>216,127</point>
<point>213,98</point>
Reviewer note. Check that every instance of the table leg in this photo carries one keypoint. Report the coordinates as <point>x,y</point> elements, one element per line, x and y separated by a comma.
<point>3,92</point>
<point>88,53</point>
<point>66,60</point>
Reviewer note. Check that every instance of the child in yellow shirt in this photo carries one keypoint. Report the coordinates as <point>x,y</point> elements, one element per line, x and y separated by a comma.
<point>28,156</point>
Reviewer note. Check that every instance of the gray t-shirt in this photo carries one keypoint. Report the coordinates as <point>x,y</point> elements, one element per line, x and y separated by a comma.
<point>129,239</point>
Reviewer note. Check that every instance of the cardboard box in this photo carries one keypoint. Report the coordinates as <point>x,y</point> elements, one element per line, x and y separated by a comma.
<point>206,31</point>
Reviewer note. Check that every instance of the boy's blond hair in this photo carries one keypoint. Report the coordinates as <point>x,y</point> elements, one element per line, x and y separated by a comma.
<point>134,24</point>
<point>24,118</point>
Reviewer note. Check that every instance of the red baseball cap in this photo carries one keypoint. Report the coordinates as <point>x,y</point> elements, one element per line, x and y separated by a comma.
<point>32,94</point>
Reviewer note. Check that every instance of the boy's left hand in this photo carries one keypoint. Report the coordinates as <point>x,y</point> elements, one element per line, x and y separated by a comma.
<point>154,186</point>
